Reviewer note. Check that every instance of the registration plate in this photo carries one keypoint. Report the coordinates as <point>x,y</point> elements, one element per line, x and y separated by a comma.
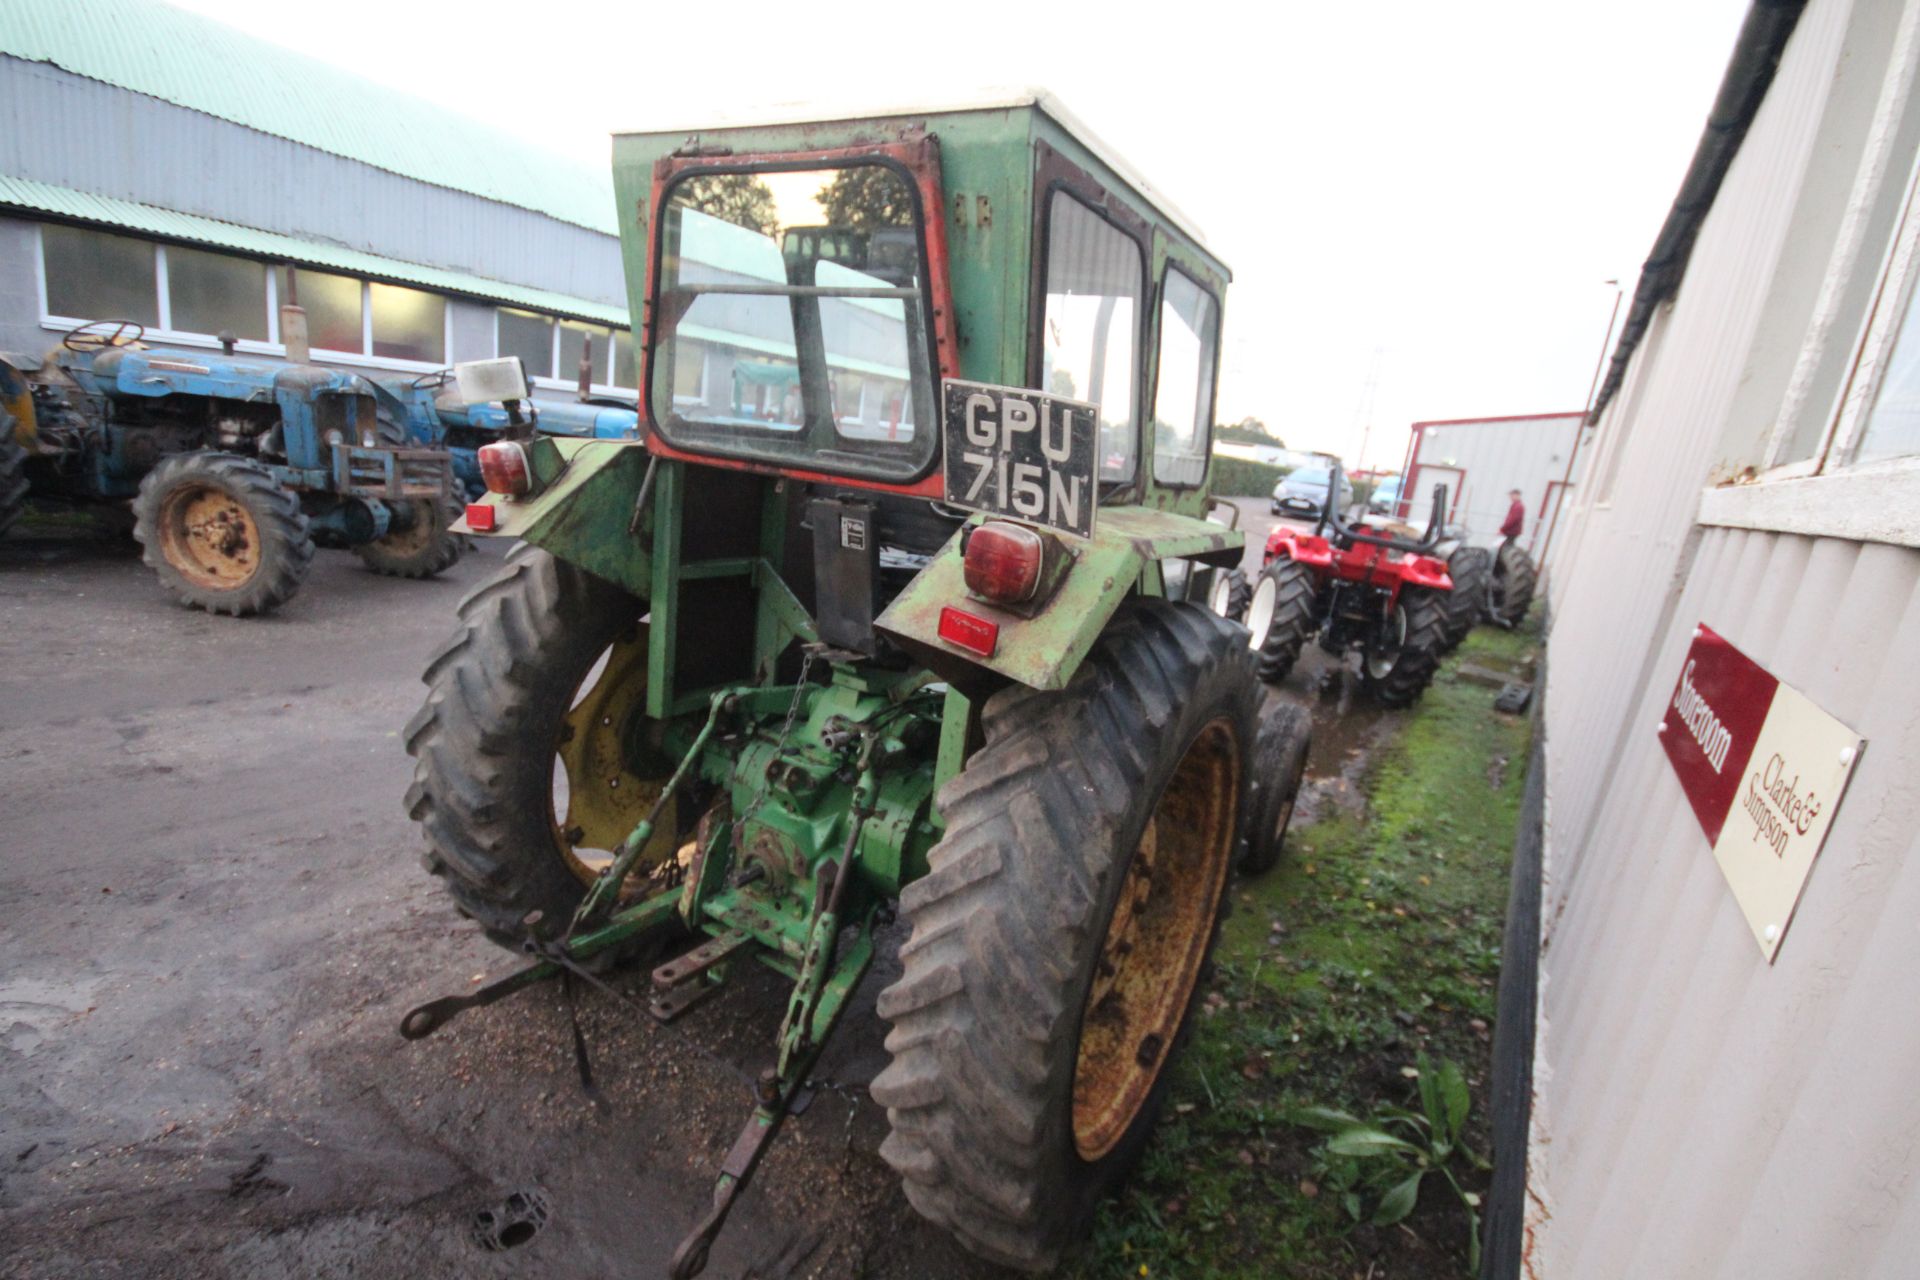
<point>1017,453</point>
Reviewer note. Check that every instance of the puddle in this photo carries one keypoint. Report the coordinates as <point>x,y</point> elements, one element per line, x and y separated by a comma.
<point>31,1010</point>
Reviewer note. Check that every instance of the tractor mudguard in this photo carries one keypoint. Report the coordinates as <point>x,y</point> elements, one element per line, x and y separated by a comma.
<point>1045,650</point>
<point>1307,548</point>
<point>1425,571</point>
<point>582,511</point>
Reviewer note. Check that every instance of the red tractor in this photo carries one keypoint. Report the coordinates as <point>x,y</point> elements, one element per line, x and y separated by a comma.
<point>1355,587</point>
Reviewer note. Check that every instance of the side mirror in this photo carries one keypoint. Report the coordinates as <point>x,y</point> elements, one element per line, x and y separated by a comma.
<point>480,381</point>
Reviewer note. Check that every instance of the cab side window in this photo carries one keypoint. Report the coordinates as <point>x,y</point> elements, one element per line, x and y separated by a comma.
<point>1183,389</point>
<point>1096,278</point>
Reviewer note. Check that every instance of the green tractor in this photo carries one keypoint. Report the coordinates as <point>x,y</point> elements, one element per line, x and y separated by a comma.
<point>874,618</point>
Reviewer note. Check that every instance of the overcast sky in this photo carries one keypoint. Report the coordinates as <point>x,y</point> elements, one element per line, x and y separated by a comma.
<point>1428,197</point>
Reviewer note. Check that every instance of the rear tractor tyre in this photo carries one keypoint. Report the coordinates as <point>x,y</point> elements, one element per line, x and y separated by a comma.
<point>1510,594</point>
<point>223,533</point>
<point>422,549</point>
<point>1060,936</point>
<point>1470,568</point>
<point>13,474</point>
<point>1397,669</point>
<point>522,780</point>
<point>1273,784</point>
<point>1230,594</point>
<point>1280,617</point>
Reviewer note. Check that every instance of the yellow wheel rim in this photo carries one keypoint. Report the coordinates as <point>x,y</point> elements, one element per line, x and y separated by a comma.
<point>416,536</point>
<point>597,799</point>
<point>1155,942</point>
<point>210,537</point>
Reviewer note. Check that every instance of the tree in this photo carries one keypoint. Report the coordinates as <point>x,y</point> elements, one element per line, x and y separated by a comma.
<point>1248,431</point>
<point>739,198</point>
<point>865,198</point>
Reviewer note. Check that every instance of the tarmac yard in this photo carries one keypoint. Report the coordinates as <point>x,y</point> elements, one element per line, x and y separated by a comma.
<point>215,916</point>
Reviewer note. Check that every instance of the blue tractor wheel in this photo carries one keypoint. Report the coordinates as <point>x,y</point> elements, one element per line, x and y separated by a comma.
<point>223,533</point>
<point>13,475</point>
<point>420,549</point>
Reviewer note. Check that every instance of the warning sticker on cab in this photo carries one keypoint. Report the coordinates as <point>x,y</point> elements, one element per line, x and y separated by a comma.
<point>1017,453</point>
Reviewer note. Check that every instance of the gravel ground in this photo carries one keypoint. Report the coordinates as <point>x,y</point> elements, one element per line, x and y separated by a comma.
<point>215,918</point>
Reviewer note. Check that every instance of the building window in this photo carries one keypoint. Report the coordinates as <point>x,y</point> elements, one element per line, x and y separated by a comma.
<point>335,321</point>
<point>551,347</point>
<point>1892,426</point>
<point>192,296</point>
<point>1095,280</point>
<point>849,396</point>
<point>1843,453</point>
<point>94,276</point>
<point>215,292</point>
<point>1183,391</point>
<point>408,324</point>
<point>574,338</point>
<point>625,372</point>
<point>689,371</point>
<point>529,336</point>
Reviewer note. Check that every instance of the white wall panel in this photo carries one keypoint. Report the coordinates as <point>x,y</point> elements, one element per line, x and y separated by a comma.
<point>1700,1112</point>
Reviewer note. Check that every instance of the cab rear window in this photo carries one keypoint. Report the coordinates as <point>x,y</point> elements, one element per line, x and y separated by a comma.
<point>793,320</point>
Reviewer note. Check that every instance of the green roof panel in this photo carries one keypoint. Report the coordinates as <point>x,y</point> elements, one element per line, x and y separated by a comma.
<point>180,57</point>
<point>168,224</point>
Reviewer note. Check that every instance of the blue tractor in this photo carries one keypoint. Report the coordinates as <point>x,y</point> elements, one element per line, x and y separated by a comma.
<point>439,409</point>
<point>237,468</point>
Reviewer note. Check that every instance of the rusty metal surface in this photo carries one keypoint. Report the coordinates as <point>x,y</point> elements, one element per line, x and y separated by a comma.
<point>1155,941</point>
<point>1045,650</point>
<point>582,516</point>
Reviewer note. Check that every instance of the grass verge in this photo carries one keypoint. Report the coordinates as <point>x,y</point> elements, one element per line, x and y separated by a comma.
<point>1376,940</point>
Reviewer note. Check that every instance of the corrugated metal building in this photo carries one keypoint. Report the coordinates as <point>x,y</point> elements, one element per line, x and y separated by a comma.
<point>159,166</point>
<point>1482,460</point>
<point>1697,1110</point>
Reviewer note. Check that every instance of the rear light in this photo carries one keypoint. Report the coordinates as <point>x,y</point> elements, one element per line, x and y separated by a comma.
<point>506,469</point>
<point>481,517</point>
<point>964,631</point>
<point>1003,562</point>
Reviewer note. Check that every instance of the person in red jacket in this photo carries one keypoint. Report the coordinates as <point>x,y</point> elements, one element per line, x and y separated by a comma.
<point>1516,516</point>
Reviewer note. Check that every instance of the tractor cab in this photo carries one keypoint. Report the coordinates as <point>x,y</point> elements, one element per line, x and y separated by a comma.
<point>821,300</point>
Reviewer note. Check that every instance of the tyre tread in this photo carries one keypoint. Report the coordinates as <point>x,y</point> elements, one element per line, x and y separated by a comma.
<point>976,1038</point>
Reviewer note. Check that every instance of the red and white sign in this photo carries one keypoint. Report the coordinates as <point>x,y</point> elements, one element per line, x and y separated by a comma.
<point>1764,769</point>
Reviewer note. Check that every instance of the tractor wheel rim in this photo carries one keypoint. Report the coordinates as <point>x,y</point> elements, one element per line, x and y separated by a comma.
<point>209,537</point>
<point>416,536</point>
<point>595,798</point>
<point>1381,659</point>
<point>1282,818</point>
<point>1150,959</point>
<point>1221,595</point>
<point>1260,613</point>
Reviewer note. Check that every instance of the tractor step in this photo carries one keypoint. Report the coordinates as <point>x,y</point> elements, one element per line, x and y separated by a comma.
<point>679,984</point>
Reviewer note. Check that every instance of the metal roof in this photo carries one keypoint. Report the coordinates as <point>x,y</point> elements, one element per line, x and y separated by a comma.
<point>169,224</point>
<point>154,49</point>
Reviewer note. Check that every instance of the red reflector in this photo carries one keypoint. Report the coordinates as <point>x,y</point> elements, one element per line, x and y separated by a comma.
<point>1003,562</point>
<point>504,468</point>
<point>964,631</point>
<point>480,517</point>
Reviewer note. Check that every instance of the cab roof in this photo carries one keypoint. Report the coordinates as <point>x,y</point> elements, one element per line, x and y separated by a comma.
<point>816,111</point>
